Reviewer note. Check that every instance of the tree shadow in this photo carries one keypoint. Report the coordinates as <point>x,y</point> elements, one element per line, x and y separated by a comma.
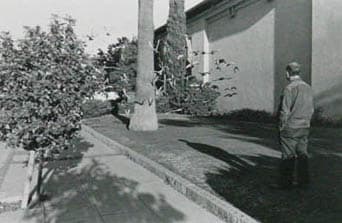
<point>179,123</point>
<point>263,134</point>
<point>82,188</point>
<point>233,161</point>
<point>245,182</point>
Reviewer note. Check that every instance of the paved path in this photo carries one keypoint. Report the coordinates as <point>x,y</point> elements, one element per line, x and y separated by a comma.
<point>94,183</point>
<point>13,164</point>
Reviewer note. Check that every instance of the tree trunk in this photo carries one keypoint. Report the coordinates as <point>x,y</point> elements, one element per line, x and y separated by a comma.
<point>27,187</point>
<point>145,117</point>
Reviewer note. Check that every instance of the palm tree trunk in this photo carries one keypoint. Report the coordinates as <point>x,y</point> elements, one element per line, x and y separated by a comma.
<point>145,117</point>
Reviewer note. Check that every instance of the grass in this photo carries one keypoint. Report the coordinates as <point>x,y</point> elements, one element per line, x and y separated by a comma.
<point>237,161</point>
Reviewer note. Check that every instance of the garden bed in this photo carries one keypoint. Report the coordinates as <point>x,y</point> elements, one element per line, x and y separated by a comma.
<point>237,161</point>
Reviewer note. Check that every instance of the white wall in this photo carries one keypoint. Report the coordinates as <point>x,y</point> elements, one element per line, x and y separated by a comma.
<point>327,56</point>
<point>248,40</point>
<point>262,39</point>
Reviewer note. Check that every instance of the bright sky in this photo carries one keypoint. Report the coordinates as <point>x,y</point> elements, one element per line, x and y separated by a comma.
<point>94,17</point>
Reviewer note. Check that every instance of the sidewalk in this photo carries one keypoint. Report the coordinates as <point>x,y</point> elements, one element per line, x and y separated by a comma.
<point>13,164</point>
<point>94,183</point>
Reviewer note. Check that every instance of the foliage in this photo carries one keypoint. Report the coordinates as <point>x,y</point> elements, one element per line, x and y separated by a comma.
<point>96,108</point>
<point>195,99</point>
<point>251,115</point>
<point>44,79</point>
<point>120,63</point>
<point>200,101</point>
<point>319,119</point>
<point>163,104</point>
<point>175,55</point>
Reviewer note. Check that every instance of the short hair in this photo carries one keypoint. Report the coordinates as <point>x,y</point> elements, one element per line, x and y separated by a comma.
<point>293,68</point>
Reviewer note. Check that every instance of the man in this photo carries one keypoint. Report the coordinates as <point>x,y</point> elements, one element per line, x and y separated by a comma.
<point>295,114</point>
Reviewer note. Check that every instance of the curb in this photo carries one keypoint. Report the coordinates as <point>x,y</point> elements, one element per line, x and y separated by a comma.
<point>224,210</point>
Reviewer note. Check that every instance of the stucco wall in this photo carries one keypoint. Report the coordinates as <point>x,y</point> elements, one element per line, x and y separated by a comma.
<point>248,40</point>
<point>262,38</point>
<point>196,31</point>
<point>327,56</point>
<point>293,40</point>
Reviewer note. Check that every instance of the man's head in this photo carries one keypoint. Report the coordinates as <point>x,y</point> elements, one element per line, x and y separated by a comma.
<point>292,69</point>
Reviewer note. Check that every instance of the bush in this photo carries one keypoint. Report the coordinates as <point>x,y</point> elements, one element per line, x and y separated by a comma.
<point>319,119</point>
<point>200,102</point>
<point>163,104</point>
<point>196,101</point>
<point>96,108</point>
<point>44,80</point>
<point>250,115</point>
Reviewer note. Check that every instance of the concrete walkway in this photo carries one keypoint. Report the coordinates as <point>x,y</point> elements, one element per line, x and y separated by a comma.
<point>12,173</point>
<point>94,183</point>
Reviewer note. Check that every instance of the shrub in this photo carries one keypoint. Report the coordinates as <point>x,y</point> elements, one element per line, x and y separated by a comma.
<point>197,101</point>
<point>163,105</point>
<point>44,80</point>
<point>319,119</point>
<point>200,102</point>
<point>251,115</point>
<point>96,108</point>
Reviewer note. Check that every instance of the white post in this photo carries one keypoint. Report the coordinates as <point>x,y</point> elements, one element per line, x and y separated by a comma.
<point>206,57</point>
<point>27,187</point>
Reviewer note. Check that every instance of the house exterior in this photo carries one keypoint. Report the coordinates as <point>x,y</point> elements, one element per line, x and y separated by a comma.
<point>261,37</point>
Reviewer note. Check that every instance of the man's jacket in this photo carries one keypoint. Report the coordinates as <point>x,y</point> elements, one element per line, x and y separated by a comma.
<point>297,105</point>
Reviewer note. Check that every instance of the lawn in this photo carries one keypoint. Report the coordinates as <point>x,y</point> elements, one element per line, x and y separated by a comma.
<point>237,161</point>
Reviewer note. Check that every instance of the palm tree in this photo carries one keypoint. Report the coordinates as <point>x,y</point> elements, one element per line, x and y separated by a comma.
<point>145,117</point>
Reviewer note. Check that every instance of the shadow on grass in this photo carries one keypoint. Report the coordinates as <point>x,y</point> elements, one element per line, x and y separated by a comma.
<point>180,123</point>
<point>249,191</point>
<point>245,183</point>
<point>81,188</point>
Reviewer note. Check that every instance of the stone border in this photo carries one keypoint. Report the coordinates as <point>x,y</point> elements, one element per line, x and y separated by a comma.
<point>224,210</point>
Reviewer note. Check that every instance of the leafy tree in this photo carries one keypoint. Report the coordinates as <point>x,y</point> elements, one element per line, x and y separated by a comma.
<point>44,79</point>
<point>120,63</point>
<point>145,117</point>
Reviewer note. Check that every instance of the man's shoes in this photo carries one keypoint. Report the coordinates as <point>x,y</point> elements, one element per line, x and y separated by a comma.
<point>303,175</point>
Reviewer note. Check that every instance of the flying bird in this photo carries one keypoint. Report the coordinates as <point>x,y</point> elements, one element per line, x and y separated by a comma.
<point>90,37</point>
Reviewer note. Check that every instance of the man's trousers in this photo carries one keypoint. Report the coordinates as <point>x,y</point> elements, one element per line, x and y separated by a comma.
<point>294,147</point>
